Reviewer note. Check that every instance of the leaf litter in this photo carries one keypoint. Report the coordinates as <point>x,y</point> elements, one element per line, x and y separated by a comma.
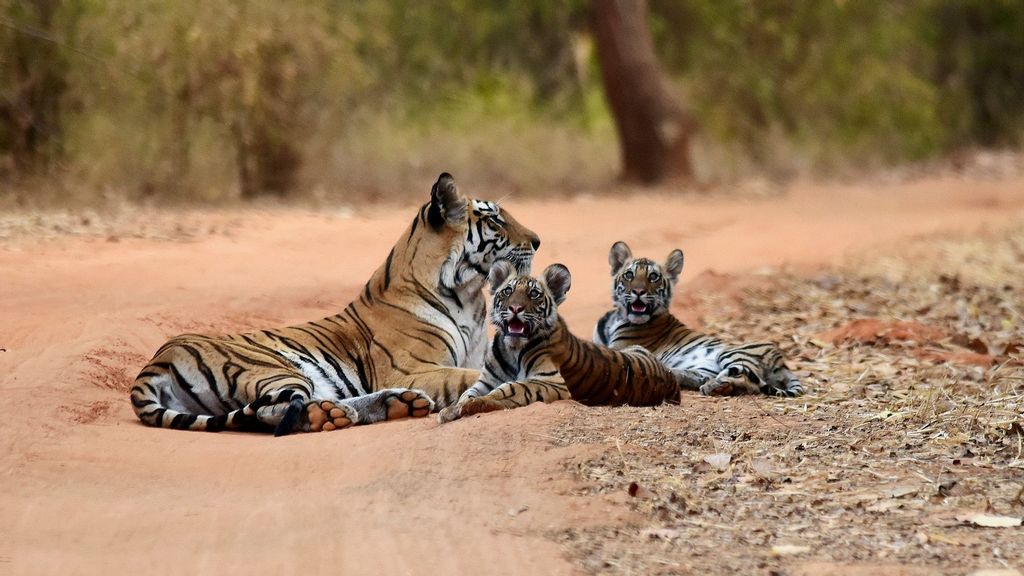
<point>909,442</point>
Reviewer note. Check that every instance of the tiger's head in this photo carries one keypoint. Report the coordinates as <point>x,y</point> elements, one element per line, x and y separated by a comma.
<point>642,288</point>
<point>525,307</point>
<point>477,233</point>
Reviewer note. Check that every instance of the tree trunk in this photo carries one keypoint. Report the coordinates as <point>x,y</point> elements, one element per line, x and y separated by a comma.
<point>654,129</point>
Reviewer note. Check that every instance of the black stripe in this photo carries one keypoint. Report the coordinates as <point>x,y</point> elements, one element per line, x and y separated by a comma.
<point>187,387</point>
<point>211,380</point>
<point>387,269</point>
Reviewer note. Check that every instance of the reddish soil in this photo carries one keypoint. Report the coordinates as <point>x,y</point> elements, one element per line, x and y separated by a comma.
<point>872,330</point>
<point>86,489</point>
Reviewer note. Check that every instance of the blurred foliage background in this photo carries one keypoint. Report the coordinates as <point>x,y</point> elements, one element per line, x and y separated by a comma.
<point>206,101</point>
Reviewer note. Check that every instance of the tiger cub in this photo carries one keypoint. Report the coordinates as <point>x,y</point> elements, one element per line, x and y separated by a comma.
<point>534,357</point>
<point>642,292</point>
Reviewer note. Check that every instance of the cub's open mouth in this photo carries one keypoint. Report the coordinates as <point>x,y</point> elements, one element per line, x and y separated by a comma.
<point>638,307</point>
<point>516,327</point>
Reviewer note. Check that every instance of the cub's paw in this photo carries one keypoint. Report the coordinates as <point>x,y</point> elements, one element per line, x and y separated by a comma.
<point>324,416</point>
<point>408,404</point>
<point>791,390</point>
<point>479,405</point>
<point>449,414</point>
<point>718,387</point>
<point>731,382</point>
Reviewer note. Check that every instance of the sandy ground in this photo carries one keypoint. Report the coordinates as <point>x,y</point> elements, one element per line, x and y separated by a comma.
<point>86,489</point>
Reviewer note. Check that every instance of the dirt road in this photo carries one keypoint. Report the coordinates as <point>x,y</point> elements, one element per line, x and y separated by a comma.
<point>86,489</point>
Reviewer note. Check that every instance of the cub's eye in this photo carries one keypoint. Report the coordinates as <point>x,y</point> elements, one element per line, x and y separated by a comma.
<point>628,275</point>
<point>534,294</point>
<point>654,276</point>
<point>507,291</point>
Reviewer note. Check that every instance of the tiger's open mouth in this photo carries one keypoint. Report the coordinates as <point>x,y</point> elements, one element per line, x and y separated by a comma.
<point>517,328</point>
<point>639,307</point>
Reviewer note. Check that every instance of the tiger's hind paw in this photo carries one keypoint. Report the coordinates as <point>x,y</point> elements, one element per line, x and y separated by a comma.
<point>408,404</point>
<point>324,416</point>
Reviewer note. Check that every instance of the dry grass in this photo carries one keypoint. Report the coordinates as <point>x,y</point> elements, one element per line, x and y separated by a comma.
<point>877,466</point>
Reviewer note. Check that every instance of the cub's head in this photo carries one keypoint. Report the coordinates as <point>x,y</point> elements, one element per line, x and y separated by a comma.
<point>480,231</point>
<point>642,288</point>
<point>525,307</point>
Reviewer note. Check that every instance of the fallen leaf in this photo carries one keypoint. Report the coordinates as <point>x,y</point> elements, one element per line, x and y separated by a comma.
<point>883,506</point>
<point>637,491</point>
<point>668,534</point>
<point>819,343</point>
<point>901,491</point>
<point>972,344</point>
<point>789,549</point>
<point>937,538</point>
<point>990,520</point>
<point>719,461</point>
<point>517,511</point>
<point>762,466</point>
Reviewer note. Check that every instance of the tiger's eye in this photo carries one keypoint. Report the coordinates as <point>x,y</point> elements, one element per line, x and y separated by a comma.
<point>507,291</point>
<point>628,275</point>
<point>534,294</point>
<point>653,277</point>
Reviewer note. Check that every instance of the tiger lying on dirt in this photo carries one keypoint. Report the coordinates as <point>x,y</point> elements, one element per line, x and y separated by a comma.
<point>535,358</point>
<point>642,292</point>
<point>412,340</point>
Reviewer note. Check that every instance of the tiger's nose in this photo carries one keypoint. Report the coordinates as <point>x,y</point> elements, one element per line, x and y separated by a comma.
<point>535,242</point>
<point>640,292</point>
<point>515,308</point>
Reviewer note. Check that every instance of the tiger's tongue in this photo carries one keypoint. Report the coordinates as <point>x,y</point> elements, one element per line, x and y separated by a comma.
<point>638,307</point>
<point>516,326</point>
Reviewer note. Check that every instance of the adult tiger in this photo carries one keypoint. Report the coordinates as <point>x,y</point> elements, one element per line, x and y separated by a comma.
<point>535,358</point>
<point>642,292</point>
<point>412,340</point>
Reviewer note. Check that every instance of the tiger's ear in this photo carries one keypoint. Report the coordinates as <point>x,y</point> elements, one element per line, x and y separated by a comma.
<point>447,204</point>
<point>558,280</point>
<point>674,265</point>
<point>619,256</point>
<point>501,271</point>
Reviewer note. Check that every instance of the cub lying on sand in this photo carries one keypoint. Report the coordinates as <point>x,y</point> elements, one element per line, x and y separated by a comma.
<point>535,358</point>
<point>642,293</point>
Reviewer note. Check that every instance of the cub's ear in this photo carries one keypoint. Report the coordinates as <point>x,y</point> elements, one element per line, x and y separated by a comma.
<point>619,256</point>
<point>674,265</point>
<point>447,204</point>
<point>501,271</point>
<point>558,280</point>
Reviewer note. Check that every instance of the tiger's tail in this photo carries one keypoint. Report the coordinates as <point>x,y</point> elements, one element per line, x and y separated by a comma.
<point>151,410</point>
